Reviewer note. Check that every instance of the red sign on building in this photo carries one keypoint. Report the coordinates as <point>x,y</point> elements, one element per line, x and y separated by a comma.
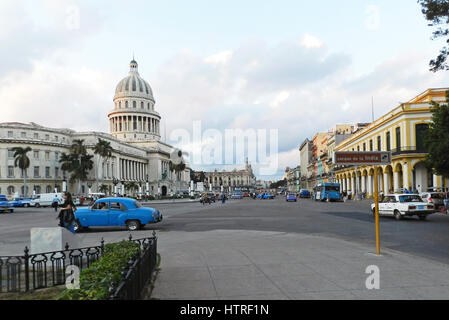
<point>362,158</point>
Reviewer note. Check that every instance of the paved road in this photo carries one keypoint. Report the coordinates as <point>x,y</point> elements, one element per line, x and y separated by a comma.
<point>349,221</point>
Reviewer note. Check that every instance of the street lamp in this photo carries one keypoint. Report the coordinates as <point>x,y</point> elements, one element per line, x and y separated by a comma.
<point>89,185</point>
<point>115,182</point>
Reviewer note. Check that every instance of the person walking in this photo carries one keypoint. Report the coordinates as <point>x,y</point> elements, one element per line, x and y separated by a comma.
<point>223,198</point>
<point>67,213</point>
<point>55,203</point>
<point>446,202</point>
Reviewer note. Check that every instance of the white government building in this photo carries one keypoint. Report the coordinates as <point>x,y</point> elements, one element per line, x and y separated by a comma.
<point>138,154</point>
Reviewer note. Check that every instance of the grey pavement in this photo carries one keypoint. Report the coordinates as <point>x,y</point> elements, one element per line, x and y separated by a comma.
<point>261,265</point>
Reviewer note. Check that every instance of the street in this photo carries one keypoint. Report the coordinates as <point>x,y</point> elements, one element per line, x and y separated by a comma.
<point>350,221</point>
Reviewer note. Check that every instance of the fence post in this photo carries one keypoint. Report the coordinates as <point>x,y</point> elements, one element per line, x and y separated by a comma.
<point>102,246</point>
<point>27,269</point>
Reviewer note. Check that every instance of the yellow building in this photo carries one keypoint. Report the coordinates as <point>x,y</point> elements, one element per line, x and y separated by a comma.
<point>400,131</point>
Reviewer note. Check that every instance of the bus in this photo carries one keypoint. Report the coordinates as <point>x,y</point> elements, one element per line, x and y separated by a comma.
<point>327,192</point>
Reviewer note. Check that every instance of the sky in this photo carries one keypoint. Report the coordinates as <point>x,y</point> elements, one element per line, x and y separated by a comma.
<point>298,67</point>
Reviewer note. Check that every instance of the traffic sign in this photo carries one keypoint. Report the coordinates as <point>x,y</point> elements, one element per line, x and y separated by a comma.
<point>362,158</point>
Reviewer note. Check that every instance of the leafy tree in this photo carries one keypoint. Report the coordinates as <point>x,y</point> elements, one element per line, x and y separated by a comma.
<point>437,13</point>
<point>437,139</point>
<point>78,162</point>
<point>22,161</point>
<point>103,150</point>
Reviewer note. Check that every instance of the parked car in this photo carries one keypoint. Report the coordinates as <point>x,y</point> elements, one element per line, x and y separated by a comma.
<point>290,197</point>
<point>401,205</point>
<point>111,212</point>
<point>46,199</point>
<point>16,203</point>
<point>304,193</point>
<point>237,196</point>
<point>25,201</point>
<point>433,197</point>
<point>265,196</point>
<point>5,206</point>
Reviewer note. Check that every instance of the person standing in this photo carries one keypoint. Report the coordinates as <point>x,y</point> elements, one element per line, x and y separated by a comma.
<point>67,213</point>
<point>55,202</point>
<point>223,198</point>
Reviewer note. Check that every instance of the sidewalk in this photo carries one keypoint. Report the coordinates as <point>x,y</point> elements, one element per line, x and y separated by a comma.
<point>259,265</point>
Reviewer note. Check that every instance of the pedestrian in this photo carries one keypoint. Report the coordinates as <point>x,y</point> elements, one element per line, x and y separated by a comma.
<point>67,213</point>
<point>223,198</point>
<point>446,202</point>
<point>55,202</point>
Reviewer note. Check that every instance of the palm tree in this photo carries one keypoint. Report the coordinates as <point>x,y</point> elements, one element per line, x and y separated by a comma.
<point>177,168</point>
<point>103,188</point>
<point>22,161</point>
<point>131,186</point>
<point>78,162</point>
<point>103,150</point>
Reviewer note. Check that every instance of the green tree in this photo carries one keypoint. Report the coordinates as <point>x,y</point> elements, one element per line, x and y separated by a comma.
<point>177,168</point>
<point>437,139</point>
<point>131,186</point>
<point>437,13</point>
<point>22,161</point>
<point>103,150</point>
<point>103,188</point>
<point>78,162</point>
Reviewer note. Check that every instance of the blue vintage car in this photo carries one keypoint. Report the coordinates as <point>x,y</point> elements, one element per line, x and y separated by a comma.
<point>5,206</point>
<point>290,197</point>
<point>237,196</point>
<point>265,196</point>
<point>116,212</point>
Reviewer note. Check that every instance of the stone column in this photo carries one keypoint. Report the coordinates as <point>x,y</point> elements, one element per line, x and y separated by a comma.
<point>396,181</point>
<point>405,175</point>
<point>370,185</point>
<point>363,183</point>
<point>386,183</point>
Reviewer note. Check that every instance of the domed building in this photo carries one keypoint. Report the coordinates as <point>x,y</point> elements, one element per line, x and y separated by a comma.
<point>133,117</point>
<point>138,155</point>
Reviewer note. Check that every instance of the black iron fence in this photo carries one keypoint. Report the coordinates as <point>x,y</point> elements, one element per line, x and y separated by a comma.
<point>138,272</point>
<point>43,270</point>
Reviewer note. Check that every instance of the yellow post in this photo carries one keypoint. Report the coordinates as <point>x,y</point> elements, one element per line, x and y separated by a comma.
<point>376,206</point>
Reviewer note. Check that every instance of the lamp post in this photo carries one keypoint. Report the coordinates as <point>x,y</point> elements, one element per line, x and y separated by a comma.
<point>64,183</point>
<point>89,185</point>
<point>147,186</point>
<point>115,182</point>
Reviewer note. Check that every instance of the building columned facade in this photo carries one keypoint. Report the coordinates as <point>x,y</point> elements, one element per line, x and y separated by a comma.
<point>400,131</point>
<point>138,154</point>
<point>229,180</point>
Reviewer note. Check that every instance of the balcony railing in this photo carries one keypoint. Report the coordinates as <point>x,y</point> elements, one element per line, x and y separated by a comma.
<point>408,150</point>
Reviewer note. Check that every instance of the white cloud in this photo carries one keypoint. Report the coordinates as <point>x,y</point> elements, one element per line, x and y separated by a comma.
<point>219,58</point>
<point>309,42</point>
<point>372,18</point>
<point>281,97</point>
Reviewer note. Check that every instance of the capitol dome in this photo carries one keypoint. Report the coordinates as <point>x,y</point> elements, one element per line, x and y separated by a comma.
<point>133,85</point>
<point>134,118</point>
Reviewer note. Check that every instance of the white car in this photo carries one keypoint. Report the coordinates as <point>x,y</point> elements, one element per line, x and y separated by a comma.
<point>401,205</point>
<point>435,198</point>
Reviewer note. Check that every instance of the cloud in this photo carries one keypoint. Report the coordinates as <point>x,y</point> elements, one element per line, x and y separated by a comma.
<point>372,18</point>
<point>309,42</point>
